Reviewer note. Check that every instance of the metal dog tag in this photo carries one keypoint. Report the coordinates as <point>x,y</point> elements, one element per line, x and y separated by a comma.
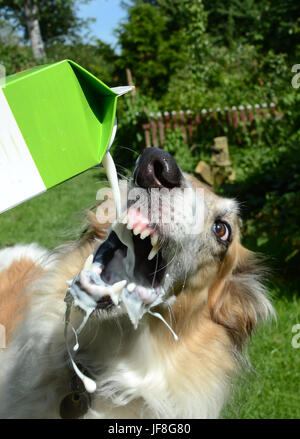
<point>74,405</point>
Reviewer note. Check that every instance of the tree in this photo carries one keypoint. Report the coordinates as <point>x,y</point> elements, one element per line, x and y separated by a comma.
<point>269,24</point>
<point>27,11</point>
<point>144,48</point>
<point>31,14</point>
<point>45,21</point>
<point>159,38</point>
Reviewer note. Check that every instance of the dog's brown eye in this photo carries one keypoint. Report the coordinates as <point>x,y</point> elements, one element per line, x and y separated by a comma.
<point>221,230</point>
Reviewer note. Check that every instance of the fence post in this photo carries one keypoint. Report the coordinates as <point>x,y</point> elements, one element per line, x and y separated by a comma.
<point>160,129</point>
<point>251,119</point>
<point>220,121</point>
<point>146,128</point>
<point>228,119</point>
<point>257,110</point>
<point>212,118</point>
<point>265,113</point>
<point>273,110</point>
<point>193,124</point>
<point>182,121</point>
<point>174,120</point>
<point>130,82</point>
<point>250,114</point>
<point>197,124</point>
<point>235,122</point>
<point>153,129</point>
<point>167,120</point>
<point>243,117</point>
<point>190,125</point>
<point>204,113</point>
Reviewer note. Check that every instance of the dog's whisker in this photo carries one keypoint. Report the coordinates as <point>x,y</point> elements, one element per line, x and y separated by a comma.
<point>123,176</point>
<point>127,354</point>
<point>185,275</point>
<point>124,168</point>
<point>170,261</point>
<point>155,271</point>
<point>129,149</point>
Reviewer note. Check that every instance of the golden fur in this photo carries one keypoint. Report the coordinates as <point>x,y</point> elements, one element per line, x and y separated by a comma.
<point>13,282</point>
<point>216,311</point>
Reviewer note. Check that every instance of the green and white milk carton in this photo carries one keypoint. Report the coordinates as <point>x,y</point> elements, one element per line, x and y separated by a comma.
<point>56,121</point>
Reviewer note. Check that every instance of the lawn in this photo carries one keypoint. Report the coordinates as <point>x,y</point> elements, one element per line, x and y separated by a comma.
<point>55,216</point>
<point>270,391</point>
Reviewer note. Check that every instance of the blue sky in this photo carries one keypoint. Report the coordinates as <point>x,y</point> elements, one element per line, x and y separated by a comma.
<point>108,14</point>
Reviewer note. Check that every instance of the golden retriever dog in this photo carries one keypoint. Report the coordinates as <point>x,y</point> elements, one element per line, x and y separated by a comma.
<point>199,289</point>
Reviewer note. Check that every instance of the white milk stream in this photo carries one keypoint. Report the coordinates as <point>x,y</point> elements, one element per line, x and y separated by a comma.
<point>132,302</point>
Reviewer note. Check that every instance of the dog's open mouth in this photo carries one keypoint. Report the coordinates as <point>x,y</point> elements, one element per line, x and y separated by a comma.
<point>127,269</point>
<point>112,256</point>
<point>132,252</point>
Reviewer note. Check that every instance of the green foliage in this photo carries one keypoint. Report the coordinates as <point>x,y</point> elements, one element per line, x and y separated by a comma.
<point>154,42</point>
<point>145,49</point>
<point>268,24</point>
<point>228,77</point>
<point>97,58</point>
<point>16,58</point>
<point>129,139</point>
<point>175,145</point>
<point>58,19</point>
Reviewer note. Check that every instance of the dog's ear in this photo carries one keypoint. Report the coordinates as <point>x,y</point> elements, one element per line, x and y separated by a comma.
<point>238,299</point>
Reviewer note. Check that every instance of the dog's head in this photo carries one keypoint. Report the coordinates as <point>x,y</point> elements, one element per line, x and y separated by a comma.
<point>176,239</point>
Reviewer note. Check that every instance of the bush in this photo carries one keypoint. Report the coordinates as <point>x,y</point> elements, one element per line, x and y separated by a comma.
<point>226,77</point>
<point>16,58</point>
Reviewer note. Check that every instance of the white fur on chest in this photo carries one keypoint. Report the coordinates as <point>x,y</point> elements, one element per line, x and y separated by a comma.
<point>135,379</point>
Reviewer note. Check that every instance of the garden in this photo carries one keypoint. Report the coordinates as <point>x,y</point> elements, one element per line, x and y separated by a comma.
<point>201,60</point>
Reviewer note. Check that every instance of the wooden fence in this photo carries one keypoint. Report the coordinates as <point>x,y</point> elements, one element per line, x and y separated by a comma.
<point>155,126</point>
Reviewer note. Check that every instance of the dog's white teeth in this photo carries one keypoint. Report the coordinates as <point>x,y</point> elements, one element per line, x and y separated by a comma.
<point>154,239</point>
<point>88,263</point>
<point>154,252</point>
<point>69,282</point>
<point>145,233</point>
<point>115,298</point>
<point>137,230</point>
<point>131,287</point>
<point>129,226</point>
<point>115,291</point>
<point>118,286</point>
<point>124,219</point>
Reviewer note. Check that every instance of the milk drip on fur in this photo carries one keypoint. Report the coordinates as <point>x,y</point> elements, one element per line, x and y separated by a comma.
<point>83,300</point>
<point>134,305</point>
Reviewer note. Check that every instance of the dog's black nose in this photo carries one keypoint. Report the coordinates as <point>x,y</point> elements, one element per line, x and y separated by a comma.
<point>156,168</point>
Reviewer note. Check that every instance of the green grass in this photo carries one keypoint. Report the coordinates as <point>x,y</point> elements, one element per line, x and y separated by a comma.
<point>271,391</point>
<point>55,216</point>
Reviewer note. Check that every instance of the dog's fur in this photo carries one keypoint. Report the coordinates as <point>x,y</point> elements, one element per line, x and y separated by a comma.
<point>139,372</point>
